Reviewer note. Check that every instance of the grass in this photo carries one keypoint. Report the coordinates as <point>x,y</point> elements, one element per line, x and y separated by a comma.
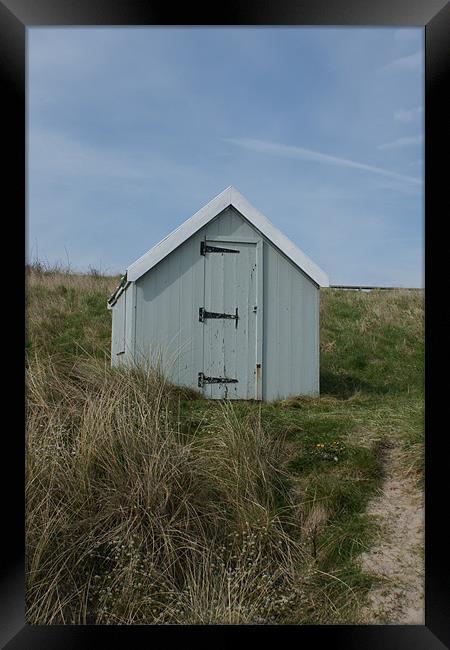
<point>149,504</point>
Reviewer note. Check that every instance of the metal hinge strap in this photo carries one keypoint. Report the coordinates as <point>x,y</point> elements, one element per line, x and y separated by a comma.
<point>202,380</point>
<point>206,248</point>
<point>203,315</point>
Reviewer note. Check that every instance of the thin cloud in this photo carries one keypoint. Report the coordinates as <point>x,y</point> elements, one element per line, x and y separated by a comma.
<point>300,153</point>
<point>401,142</point>
<point>410,62</point>
<point>54,154</point>
<point>407,116</point>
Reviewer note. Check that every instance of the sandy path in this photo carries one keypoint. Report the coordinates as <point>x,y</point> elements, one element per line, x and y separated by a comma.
<point>397,555</point>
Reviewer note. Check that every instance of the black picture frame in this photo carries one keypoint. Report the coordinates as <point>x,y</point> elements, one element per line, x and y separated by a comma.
<point>434,16</point>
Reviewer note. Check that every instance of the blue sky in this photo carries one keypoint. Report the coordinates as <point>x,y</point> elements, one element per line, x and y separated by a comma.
<point>132,130</point>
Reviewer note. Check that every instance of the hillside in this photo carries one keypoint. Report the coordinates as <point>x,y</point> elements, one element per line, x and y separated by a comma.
<point>149,504</point>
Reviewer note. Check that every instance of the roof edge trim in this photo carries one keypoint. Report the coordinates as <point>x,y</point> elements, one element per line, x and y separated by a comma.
<point>229,196</point>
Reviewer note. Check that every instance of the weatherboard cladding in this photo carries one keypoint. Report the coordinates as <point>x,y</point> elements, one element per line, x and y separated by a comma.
<point>162,320</point>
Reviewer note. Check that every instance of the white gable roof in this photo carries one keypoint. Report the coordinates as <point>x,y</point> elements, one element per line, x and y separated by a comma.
<point>230,196</point>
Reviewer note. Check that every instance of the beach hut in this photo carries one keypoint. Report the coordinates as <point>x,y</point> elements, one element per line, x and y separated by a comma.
<point>225,304</point>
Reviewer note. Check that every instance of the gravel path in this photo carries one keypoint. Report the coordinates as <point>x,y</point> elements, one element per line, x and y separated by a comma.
<point>398,554</point>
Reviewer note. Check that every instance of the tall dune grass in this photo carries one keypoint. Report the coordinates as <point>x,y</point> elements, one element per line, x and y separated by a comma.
<point>131,521</point>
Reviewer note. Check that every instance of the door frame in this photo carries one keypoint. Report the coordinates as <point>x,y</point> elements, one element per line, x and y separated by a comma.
<point>259,298</point>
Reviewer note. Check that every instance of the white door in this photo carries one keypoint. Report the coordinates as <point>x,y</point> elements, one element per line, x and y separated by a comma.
<point>229,316</point>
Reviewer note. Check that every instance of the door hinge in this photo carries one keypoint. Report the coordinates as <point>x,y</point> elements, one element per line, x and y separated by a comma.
<point>203,315</point>
<point>202,380</point>
<point>206,248</point>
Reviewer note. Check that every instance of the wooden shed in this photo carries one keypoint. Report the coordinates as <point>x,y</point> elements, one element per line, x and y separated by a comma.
<point>226,303</point>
